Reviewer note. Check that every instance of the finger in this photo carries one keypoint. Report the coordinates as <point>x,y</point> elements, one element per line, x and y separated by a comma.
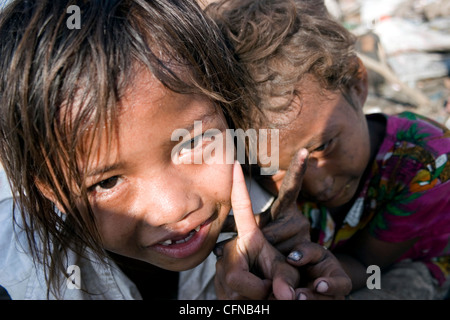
<point>243,285</point>
<point>292,182</point>
<point>288,231</point>
<point>242,206</point>
<point>225,293</point>
<point>334,286</point>
<point>219,247</point>
<point>250,286</point>
<point>323,266</point>
<point>261,219</point>
<point>285,280</point>
<point>285,246</point>
<point>308,294</point>
<point>306,252</point>
<point>233,279</point>
<point>278,232</point>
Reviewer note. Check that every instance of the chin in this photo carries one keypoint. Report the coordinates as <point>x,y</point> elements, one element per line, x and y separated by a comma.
<point>336,203</point>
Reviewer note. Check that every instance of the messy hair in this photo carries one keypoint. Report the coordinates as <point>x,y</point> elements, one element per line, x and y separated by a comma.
<point>280,42</point>
<point>57,84</point>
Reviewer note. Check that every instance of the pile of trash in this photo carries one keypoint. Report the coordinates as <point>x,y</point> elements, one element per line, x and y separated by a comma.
<point>405,44</point>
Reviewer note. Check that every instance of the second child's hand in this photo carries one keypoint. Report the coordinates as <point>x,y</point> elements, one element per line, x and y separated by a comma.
<point>283,224</point>
<point>288,230</point>
<point>250,250</point>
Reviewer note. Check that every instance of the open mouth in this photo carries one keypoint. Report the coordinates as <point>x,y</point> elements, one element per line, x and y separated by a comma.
<point>179,240</point>
<point>180,246</point>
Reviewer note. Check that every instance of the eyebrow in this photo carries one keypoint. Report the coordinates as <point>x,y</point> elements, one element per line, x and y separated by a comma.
<point>206,117</point>
<point>319,139</point>
<point>105,169</point>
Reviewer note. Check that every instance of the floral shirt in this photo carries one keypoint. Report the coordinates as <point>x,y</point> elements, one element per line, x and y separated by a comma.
<point>406,195</point>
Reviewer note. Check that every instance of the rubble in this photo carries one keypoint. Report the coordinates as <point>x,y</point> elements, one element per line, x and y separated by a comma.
<point>405,44</point>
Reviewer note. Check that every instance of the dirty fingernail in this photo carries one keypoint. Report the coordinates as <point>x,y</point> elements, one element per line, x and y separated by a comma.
<point>295,256</point>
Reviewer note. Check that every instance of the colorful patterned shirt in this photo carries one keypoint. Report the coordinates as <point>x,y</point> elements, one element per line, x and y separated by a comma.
<point>406,195</point>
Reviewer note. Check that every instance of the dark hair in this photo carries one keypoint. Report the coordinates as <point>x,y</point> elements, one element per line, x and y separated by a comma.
<point>281,41</point>
<point>59,83</point>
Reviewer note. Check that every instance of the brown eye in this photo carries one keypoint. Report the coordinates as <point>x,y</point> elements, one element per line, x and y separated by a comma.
<point>323,146</point>
<point>190,145</point>
<point>105,185</point>
<point>108,183</point>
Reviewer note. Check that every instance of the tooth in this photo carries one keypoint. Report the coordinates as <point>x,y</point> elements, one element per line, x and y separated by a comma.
<point>166,243</point>
<point>190,235</point>
<point>197,229</point>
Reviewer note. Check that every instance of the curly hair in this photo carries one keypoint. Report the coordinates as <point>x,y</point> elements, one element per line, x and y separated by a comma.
<point>280,42</point>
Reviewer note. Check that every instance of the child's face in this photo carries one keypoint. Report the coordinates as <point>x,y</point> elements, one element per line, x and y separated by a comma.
<point>337,138</point>
<point>141,199</point>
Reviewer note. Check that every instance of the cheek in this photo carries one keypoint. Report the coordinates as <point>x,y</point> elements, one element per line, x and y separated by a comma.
<point>216,182</point>
<point>116,228</point>
<point>118,223</point>
<point>357,150</point>
<point>218,188</point>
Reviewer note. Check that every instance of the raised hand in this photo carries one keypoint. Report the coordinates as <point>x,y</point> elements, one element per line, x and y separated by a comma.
<point>285,226</point>
<point>253,268</point>
<point>322,275</point>
<point>288,230</point>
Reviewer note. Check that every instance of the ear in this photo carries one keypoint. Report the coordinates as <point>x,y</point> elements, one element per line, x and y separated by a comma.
<point>360,87</point>
<point>49,194</point>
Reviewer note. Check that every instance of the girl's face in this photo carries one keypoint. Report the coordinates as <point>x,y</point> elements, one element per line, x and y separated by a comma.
<point>147,206</point>
<point>337,138</point>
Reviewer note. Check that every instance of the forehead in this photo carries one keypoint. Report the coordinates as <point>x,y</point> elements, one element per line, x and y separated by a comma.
<point>148,95</point>
<point>148,114</point>
<point>313,112</point>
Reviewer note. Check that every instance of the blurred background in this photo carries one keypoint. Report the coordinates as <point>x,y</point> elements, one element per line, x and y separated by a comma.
<point>405,45</point>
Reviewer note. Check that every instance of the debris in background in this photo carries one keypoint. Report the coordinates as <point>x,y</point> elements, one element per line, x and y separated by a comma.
<point>405,44</point>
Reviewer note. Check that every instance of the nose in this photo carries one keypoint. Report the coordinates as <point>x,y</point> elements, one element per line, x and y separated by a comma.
<point>167,199</point>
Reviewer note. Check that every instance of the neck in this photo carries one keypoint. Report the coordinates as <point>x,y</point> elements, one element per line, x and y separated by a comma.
<point>377,131</point>
<point>153,283</point>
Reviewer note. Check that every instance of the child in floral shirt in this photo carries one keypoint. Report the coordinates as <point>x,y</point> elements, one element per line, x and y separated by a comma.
<point>404,196</point>
<point>376,187</point>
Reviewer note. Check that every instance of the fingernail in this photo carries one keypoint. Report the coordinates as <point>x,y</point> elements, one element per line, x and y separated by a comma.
<point>304,152</point>
<point>322,287</point>
<point>292,292</point>
<point>302,296</point>
<point>295,255</point>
